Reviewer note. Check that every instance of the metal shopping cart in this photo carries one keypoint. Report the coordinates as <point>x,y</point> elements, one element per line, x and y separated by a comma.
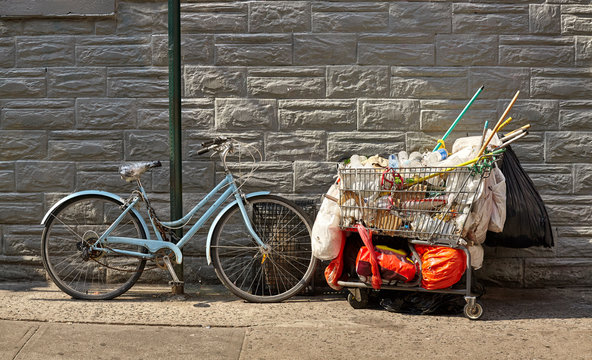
<point>425,205</point>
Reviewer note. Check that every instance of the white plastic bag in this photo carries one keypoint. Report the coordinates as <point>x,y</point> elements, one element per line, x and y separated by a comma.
<point>489,210</point>
<point>326,235</point>
<point>476,252</point>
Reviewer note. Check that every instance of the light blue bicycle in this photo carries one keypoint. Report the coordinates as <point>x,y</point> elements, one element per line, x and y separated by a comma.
<point>95,244</point>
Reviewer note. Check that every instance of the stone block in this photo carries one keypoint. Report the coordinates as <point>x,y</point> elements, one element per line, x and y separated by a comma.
<point>246,114</point>
<point>21,208</point>
<point>561,83</point>
<point>429,82</point>
<point>196,49</point>
<point>531,148</point>
<point>357,81</point>
<point>490,19</point>
<point>84,150</point>
<point>388,114</point>
<point>420,17</point>
<point>536,51</point>
<point>575,115</point>
<point>114,51</point>
<point>7,180</point>
<point>568,146</point>
<point>141,18</point>
<point>7,52</point>
<point>22,145</point>
<point>299,145</point>
<point>290,83</point>
<point>106,26</point>
<point>576,19</point>
<point>564,271</point>
<point>254,50</point>
<point>350,17</point>
<point>107,178</point>
<point>549,179</point>
<point>215,81</point>
<point>37,115</point>
<point>584,51</point>
<point>146,145</point>
<point>193,139</point>
<point>153,114</point>
<point>106,114</point>
<point>313,176</point>
<point>197,177</point>
<point>544,18</point>
<point>541,114</point>
<point>34,176</point>
<point>465,49</point>
<point>418,141</point>
<point>22,241</point>
<point>214,18</point>
<point>344,145</point>
<point>317,114</point>
<point>407,49</point>
<point>21,270</point>
<point>53,26</point>
<point>75,82</point>
<point>277,177</point>
<point>582,179</point>
<point>438,115</point>
<point>568,211</point>
<point>279,17</point>
<point>500,82</point>
<point>502,272</point>
<point>44,52</point>
<point>323,49</point>
<point>137,83</point>
<point>574,241</point>
<point>22,83</point>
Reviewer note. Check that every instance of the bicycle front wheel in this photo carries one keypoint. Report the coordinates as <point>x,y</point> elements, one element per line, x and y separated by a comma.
<point>259,275</point>
<point>76,268</point>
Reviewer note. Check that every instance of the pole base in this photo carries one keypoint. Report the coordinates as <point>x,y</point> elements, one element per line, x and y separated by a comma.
<point>177,288</point>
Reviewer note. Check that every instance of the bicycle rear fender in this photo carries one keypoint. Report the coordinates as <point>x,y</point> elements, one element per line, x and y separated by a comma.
<point>217,219</point>
<point>96,192</point>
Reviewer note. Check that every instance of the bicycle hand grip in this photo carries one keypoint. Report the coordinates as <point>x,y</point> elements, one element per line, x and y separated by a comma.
<point>203,151</point>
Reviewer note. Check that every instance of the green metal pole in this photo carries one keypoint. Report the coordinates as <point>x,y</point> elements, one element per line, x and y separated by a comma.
<point>174,53</point>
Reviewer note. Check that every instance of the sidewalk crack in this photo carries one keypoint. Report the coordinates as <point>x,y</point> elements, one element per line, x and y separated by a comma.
<point>28,335</point>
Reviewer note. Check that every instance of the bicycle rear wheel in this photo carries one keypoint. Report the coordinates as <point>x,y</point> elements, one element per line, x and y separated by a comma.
<point>257,275</point>
<point>68,259</point>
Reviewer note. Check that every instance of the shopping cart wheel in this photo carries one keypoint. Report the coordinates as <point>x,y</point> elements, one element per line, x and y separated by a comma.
<point>358,298</point>
<point>473,312</point>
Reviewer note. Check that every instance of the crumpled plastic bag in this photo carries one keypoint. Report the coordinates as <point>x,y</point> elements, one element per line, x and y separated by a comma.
<point>326,236</point>
<point>489,210</point>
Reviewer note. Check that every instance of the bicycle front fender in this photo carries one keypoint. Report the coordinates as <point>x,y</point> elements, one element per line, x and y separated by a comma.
<point>217,219</point>
<point>101,193</point>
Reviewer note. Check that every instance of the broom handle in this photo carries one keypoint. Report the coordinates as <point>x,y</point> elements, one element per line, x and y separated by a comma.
<point>499,123</point>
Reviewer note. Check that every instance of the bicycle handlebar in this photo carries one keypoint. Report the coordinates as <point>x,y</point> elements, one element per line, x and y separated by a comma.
<point>211,144</point>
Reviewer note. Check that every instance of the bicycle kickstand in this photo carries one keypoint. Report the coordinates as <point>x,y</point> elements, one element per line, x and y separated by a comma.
<point>176,282</point>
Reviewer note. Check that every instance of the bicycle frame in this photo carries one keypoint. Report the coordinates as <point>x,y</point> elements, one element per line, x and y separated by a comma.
<point>105,241</point>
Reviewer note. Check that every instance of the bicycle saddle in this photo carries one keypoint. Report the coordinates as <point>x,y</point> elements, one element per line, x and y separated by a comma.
<point>133,171</point>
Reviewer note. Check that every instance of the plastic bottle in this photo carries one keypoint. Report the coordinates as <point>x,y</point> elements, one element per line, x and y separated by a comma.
<point>433,158</point>
<point>393,161</point>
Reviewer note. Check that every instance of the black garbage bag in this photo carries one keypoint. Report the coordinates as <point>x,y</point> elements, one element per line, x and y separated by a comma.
<point>527,222</point>
<point>418,303</point>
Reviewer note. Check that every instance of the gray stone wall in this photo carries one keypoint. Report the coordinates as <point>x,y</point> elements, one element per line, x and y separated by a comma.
<point>308,82</point>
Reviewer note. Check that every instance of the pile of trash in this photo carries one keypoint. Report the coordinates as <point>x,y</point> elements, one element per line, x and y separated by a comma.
<point>441,199</point>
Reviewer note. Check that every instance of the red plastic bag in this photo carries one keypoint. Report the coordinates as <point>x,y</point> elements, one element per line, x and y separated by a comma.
<point>335,268</point>
<point>394,265</point>
<point>441,266</point>
<point>367,239</point>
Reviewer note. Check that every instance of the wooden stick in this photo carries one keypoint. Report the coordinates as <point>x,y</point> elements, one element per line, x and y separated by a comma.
<point>499,123</point>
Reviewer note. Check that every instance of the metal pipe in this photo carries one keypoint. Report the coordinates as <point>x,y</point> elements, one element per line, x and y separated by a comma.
<point>176,189</point>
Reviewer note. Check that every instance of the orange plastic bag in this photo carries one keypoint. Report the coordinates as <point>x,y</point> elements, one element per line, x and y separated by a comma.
<point>394,265</point>
<point>335,268</point>
<point>441,266</point>
<point>366,236</point>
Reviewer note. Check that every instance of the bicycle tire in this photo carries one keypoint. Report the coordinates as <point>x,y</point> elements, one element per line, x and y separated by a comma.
<point>67,259</point>
<point>244,268</point>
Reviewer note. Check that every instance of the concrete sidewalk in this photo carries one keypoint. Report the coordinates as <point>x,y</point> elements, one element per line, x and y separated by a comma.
<point>37,321</point>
